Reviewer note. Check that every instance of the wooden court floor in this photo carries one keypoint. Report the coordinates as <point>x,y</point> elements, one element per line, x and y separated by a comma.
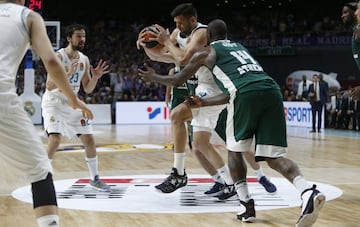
<point>331,157</point>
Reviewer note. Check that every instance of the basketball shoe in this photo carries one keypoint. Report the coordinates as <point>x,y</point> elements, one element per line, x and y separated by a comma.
<point>269,187</point>
<point>215,190</point>
<point>249,214</point>
<point>228,192</point>
<point>313,201</point>
<point>172,182</point>
<point>99,185</point>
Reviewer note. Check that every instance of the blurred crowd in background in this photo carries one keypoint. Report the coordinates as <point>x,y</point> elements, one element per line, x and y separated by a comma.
<point>114,41</point>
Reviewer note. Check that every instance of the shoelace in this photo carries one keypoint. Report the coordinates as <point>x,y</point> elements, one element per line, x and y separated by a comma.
<point>228,188</point>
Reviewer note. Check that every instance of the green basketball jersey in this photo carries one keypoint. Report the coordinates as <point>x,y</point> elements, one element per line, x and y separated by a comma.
<point>186,89</point>
<point>191,84</point>
<point>236,71</point>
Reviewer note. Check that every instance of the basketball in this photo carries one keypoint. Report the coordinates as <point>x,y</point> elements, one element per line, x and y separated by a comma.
<point>148,35</point>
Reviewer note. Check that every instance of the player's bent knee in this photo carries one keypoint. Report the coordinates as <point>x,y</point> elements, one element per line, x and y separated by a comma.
<point>175,115</point>
<point>44,192</point>
<point>180,113</point>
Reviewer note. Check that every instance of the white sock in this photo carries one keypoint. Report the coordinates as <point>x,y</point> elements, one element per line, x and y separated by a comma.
<point>179,162</point>
<point>242,190</point>
<point>92,164</point>
<point>259,173</point>
<point>48,220</point>
<point>301,184</point>
<point>225,174</point>
<point>217,178</point>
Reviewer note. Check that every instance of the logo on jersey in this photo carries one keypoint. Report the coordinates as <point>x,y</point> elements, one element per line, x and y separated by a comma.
<point>29,108</point>
<point>202,94</point>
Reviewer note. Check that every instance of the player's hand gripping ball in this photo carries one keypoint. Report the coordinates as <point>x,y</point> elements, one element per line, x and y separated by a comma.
<point>147,35</point>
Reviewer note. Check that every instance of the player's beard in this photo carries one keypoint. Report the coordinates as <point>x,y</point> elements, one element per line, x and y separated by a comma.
<point>186,32</point>
<point>78,47</point>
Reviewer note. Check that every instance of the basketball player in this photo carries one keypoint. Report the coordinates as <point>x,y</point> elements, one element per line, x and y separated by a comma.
<point>174,96</point>
<point>22,150</point>
<point>186,39</point>
<point>59,119</point>
<point>188,36</point>
<point>169,90</point>
<point>244,83</point>
<point>351,18</point>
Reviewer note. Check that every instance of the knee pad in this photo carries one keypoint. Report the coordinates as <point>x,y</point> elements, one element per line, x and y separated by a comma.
<point>44,192</point>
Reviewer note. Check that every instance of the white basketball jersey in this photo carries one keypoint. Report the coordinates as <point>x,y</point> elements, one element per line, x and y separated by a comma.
<point>13,45</point>
<point>183,40</point>
<point>203,75</point>
<point>75,79</point>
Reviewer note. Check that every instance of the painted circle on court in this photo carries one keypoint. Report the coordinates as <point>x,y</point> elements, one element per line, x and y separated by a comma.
<point>136,194</point>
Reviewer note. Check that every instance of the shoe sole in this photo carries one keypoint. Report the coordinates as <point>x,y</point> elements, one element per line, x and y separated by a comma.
<point>214,194</point>
<point>222,199</point>
<point>309,219</point>
<point>101,189</point>
<point>266,188</point>
<point>272,193</point>
<point>160,191</point>
<point>249,219</point>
